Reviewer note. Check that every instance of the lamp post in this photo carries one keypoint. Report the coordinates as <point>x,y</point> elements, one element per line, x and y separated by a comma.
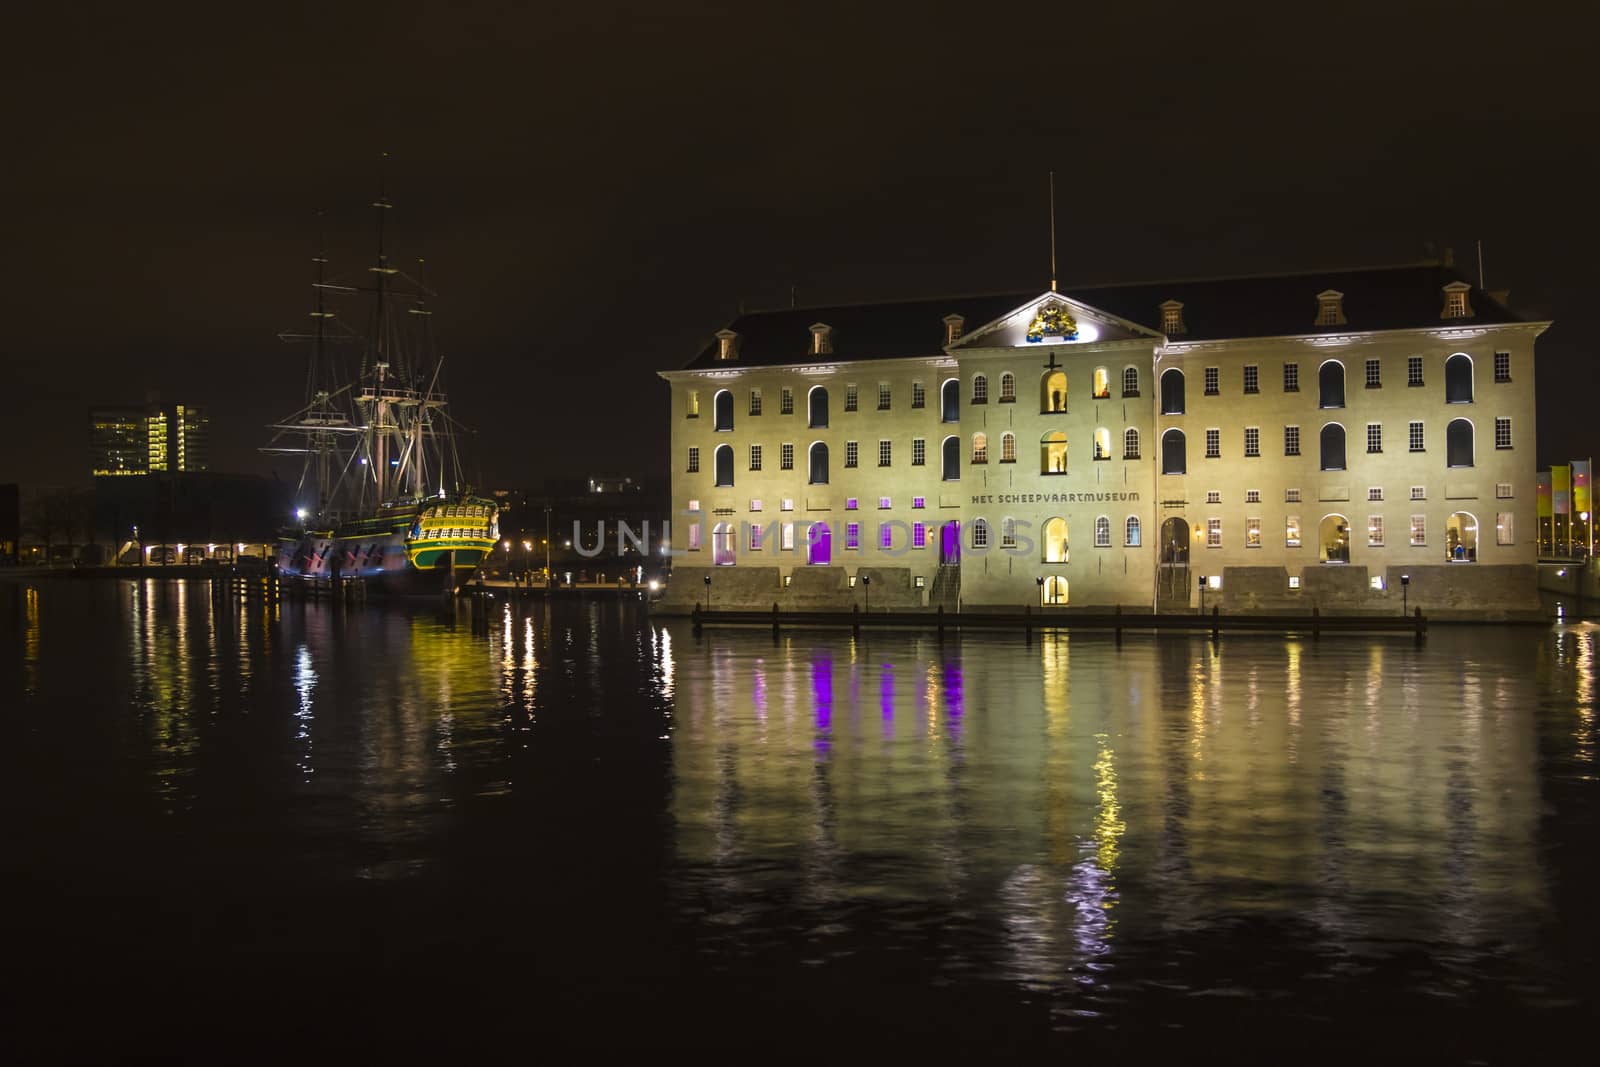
<point>510,574</point>
<point>527,560</point>
<point>866,585</point>
<point>1405,594</point>
<point>1202,594</point>
<point>547,544</point>
<point>1040,583</point>
<point>708,592</point>
<point>138,547</point>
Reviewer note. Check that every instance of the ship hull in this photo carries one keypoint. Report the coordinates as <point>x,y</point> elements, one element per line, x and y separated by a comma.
<point>427,550</point>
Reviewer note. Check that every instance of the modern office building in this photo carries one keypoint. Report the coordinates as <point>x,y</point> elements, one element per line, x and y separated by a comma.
<point>148,440</point>
<point>1342,439</point>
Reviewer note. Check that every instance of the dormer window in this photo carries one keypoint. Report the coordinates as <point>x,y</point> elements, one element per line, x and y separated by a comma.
<point>952,328</point>
<point>1172,318</point>
<point>1455,301</point>
<point>1330,308</point>
<point>727,345</point>
<point>821,339</point>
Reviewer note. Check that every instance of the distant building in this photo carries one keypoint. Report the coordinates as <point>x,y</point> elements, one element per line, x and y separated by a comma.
<point>10,523</point>
<point>564,506</point>
<point>152,439</point>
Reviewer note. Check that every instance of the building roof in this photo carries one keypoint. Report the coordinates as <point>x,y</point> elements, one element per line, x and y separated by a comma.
<point>1382,298</point>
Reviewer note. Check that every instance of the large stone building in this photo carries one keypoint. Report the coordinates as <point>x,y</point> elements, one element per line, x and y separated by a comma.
<point>1283,441</point>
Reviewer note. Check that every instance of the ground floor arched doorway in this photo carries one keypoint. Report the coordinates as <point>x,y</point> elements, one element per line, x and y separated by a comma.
<point>1333,539</point>
<point>819,545</point>
<point>1175,541</point>
<point>723,548</point>
<point>950,542</point>
<point>1053,593</point>
<point>1461,538</point>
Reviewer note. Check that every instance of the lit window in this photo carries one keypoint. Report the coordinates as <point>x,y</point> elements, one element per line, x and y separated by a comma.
<point>1212,387</point>
<point>1291,440</point>
<point>1131,532</point>
<point>1291,377</point>
<point>1008,448</point>
<point>1252,533</point>
<point>1102,384</point>
<point>1414,436</point>
<point>755,537</point>
<point>1102,532</point>
<point>851,503</point>
<point>885,453</point>
<point>1374,374</point>
<point>919,451</point>
<point>1413,371</point>
<point>1455,301</point>
<point>1252,440</point>
<point>691,405</point>
<point>1376,581</point>
<point>694,460</point>
<point>1008,532</point>
<point>1213,533</point>
<point>885,502</point>
<point>1252,378</point>
<point>919,535</point>
<point>1291,531</point>
<point>786,457</point>
<point>694,505</point>
<point>980,448</point>
<point>883,396</point>
<point>1102,443</point>
<point>852,535</point>
<point>885,535</point>
<point>755,457</point>
<point>1374,437</point>
<point>1375,531</point>
<point>851,398</point>
<point>1502,433</point>
<point>1502,367</point>
<point>919,502</point>
<point>694,536</point>
<point>852,453</point>
<point>1294,581</point>
<point>1213,444</point>
<point>755,504</point>
<point>1419,530</point>
<point>787,541</point>
<point>786,504</point>
<point>1502,529</point>
<point>1291,496</point>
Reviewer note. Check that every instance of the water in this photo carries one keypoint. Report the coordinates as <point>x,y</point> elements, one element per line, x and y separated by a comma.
<point>244,834</point>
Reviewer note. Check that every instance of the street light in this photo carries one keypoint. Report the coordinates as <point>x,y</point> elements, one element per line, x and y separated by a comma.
<point>1202,594</point>
<point>1040,583</point>
<point>866,585</point>
<point>1405,594</point>
<point>708,592</point>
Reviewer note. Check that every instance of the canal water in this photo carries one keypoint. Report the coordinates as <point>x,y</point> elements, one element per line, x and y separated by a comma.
<point>241,832</point>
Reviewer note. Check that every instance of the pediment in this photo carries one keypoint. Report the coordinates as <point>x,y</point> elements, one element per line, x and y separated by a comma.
<point>1053,319</point>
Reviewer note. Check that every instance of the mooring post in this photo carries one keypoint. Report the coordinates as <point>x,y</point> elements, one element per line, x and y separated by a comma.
<point>855,619</point>
<point>941,621</point>
<point>774,618</point>
<point>1118,625</point>
<point>1316,623</point>
<point>1216,623</point>
<point>1422,626</point>
<point>695,617</point>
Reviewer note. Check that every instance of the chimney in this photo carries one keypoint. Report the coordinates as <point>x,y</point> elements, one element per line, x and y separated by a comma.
<point>727,344</point>
<point>952,328</point>
<point>821,339</point>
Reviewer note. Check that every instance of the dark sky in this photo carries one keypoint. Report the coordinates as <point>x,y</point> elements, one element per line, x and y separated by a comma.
<point>597,187</point>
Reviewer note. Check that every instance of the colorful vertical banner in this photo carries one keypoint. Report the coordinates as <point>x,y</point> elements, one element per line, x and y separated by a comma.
<point>1582,496</point>
<point>1544,498</point>
<point>1561,490</point>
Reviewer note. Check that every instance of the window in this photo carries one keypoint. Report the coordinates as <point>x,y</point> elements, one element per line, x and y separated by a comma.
<point>1056,549</point>
<point>755,504</point>
<point>1053,453</point>
<point>694,460</point>
<point>1374,374</point>
<point>1332,444</point>
<point>1330,384</point>
<point>755,457</point>
<point>1458,443</point>
<point>1502,367</point>
<point>1374,494</point>
<point>1291,440</point>
<point>1419,492</point>
<point>885,453</point>
<point>885,535</point>
<point>786,401</point>
<point>1130,444</point>
<point>1502,529</point>
<point>1172,318</point>
<point>819,464</point>
<point>1102,532</point>
<point>1414,436</point>
<point>884,396</point>
<point>691,404</point>
<point>1252,440</point>
<point>817,407</point>
<point>851,503</point>
<point>885,503</point>
<point>1212,386</point>
<point>980,533</point>
<point>1252,496</point>
<point>786,456</point>
<point>1213,533</point>
<point>852,453</point>
<point>1008,532</point>
<point>919,451</point>
<point>1102,384</point>
<point>950,401</point>
<point>1419,530</point>
<point>980,389</point>
<point>722,460</point>
<point>694,505</point>
<point>980,448</point>
<point>1173,448</point>
<point>1291,496</point>
<point>1502,490</point>
<point>1131,532</point>
<point>919,502</point>
<point>1502,433</point>
<point>919,395</point>
<point>755,401</point>
<point>919,535</point>
<point>1213,444</point>
<point>1458,379</point>
<point>1291,532</point>
<point>786,540</point>
<point>1171,392</point>
<point>852,535</point>
<point>950,460</point>
<point>755,537</point>
<point>1330,308</point>
<point>1102,443</point>
<point>694,537</point>
<point>1252,378</point>
<point>1374,437</point>
<point>852,398</point>
<point>1213,496</point>
<point>1413,371</point>
<point>1455,301</point>
<point>1252,533</point>
<point>1008,448</point>
<point>1291,377</point>
<point>1052,392</point>
<point>1375,531</point>
<point>1008,388</point>
<point>1294,581</point>
<point>1130,381</point>
<point>786,504</point>
<point>722,410</point>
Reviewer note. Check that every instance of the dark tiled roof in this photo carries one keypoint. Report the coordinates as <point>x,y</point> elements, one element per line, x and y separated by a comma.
<point>1385,298</point>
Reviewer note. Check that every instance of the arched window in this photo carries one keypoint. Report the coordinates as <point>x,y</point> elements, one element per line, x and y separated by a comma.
<point>817,407</point>
<point>1053,593</point>
<point>1053,453</point>
<point>980,448</point>
<point>1008,388</point>
<point>980,389</point>
<point>1458,379</point>
<point>1053,392</point>
<point>1172,392</point>
<point>1131,532</point>
<point>980,533</point>
<point>724,465</point>
<point>950,470</point>
<point>1330,384</point>
<point>723,410</point>
<point>1130,443</point>
<point>1174,452</point>
<point>1130,381</point>
<point>1008,448</point>
<point>1102,532</point>
<point>1333,447</point>
<point>819,464</point>
<point>1458,443</point>
<point>950,401</point>
<point>1008,532</point>
<point>723,547</point>
<point>1102,443</point>
<point>1461,538</point>
<point>1102,384</point>
<point>1055,541</point>
<point>1333,536</point>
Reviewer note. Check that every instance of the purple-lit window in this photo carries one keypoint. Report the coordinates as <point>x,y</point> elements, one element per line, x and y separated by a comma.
<point>851,504</point>
<point>919,535</point>
<point>885,535</point>
<point>919,501</point>
<point>852,535</point>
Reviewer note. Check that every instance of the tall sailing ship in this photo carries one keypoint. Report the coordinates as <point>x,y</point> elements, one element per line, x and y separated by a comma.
<point>382,496</point>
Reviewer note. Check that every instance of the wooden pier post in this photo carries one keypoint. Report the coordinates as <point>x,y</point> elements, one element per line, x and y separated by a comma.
<point>774,618</point>
<point>1216,623</point>
<point>941,621</point>
<point>855,619</point>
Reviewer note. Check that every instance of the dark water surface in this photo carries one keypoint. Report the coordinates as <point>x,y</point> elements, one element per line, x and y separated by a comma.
<point>310,834</point>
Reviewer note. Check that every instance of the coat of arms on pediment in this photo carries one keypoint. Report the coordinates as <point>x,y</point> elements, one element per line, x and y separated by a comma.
<point>1052,320</point>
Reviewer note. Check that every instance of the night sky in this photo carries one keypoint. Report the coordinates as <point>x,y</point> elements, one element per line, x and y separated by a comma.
<point>596,188</point>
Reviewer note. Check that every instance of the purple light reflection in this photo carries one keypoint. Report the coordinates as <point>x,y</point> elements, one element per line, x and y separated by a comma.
<point>953,699</point>
<point>886,700</point>
<point>822,698</point>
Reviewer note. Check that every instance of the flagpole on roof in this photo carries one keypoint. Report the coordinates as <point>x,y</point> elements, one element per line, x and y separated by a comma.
<point>1052,231</point>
